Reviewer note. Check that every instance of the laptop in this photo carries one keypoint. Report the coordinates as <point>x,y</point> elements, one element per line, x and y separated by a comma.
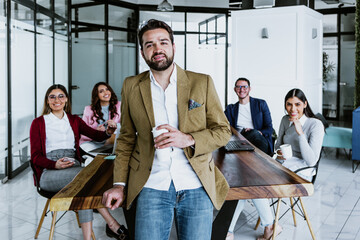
<point>235,144</point>
<point>106,149</point>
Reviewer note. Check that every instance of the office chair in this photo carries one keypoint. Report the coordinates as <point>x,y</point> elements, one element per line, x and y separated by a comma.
<point>49,195</point>
<point>294,201</point>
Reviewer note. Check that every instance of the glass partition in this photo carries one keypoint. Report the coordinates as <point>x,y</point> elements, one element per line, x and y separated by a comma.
<point>122,58</point>
<point>22,83</point>
<point>330,76</point>
<point>88,68</point>
<point>3,93</point>
<point>61,60</point>
<point>44,59</point>
<point>61,8</point>
<point>175,20</point>
<point>92,14</point>
<point>330,23</point>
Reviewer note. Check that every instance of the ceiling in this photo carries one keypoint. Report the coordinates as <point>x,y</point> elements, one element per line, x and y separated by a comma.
<point>319,4</point>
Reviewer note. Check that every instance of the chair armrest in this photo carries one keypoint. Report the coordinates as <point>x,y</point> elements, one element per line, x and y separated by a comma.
<point>304,168</point>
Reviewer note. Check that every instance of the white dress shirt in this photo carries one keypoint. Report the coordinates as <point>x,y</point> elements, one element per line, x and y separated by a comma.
<point>59,134</point>
<point>244,117</point>
<point>177,168</point>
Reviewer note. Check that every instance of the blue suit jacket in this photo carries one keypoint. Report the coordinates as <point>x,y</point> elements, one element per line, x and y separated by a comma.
<point>260,115</point>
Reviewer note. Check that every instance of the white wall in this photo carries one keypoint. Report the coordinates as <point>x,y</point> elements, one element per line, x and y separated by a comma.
<point>289,58</point>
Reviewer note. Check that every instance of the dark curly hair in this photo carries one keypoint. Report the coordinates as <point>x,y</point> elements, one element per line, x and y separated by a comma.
<point>96,106</point>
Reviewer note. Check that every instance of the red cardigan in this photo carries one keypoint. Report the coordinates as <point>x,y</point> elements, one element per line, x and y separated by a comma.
<point>38,137</point>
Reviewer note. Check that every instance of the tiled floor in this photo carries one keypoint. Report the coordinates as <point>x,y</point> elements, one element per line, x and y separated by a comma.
<point>334,209</point>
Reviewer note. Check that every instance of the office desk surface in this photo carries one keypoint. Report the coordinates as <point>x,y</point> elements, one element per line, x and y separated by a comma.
<point>253,174</point>
<point>250,174</point>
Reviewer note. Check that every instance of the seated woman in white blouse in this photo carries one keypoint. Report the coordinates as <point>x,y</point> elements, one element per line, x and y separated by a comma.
<point>303,131</point>
<point>54,141</point>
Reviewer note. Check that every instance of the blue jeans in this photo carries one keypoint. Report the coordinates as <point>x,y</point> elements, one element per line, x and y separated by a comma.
<point>155,211</point>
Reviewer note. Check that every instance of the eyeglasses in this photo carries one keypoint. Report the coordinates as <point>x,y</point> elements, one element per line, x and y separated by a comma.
<point>241,87</point>
<point>61,97</point>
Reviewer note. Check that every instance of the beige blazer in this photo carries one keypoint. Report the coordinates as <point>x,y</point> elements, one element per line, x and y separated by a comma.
<point>207,124</point>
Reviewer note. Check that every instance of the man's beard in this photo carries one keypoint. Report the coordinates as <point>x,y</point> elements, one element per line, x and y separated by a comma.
<point>160,66</point>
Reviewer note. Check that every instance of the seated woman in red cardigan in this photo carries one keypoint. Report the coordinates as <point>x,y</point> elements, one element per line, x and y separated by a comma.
<point>54,141</point>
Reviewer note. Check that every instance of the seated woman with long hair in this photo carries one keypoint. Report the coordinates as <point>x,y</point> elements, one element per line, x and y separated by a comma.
<point>54,141</point>
<point>104,109</point>
<point>303,131</point>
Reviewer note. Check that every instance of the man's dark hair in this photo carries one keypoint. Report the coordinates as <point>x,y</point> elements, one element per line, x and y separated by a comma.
<point>154,24</point>
<point>242,79</point>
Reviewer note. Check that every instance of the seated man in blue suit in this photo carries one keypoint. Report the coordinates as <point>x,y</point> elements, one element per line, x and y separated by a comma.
<point>251,117</point>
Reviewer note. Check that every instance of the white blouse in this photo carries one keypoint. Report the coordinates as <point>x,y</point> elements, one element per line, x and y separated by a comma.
<point>59,134</point>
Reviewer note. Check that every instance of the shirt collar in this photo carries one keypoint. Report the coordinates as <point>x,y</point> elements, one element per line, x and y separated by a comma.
<point>302,120</point>
<point>173,77</point>
<point>53,117</point>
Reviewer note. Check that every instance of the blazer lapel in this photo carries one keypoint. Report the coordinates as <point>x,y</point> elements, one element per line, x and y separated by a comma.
<point>145,90</point>
<point>183,96</point>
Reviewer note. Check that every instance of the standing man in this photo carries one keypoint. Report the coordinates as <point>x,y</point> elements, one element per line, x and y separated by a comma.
<point>185,183</point>
<point>251,117</point>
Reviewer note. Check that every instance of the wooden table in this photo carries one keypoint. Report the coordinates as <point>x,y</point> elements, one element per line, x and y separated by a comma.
<point>250,174</point>
<point>253,174</point>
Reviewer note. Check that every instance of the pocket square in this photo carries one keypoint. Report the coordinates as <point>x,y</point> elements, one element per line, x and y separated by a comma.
<point>193,104</point>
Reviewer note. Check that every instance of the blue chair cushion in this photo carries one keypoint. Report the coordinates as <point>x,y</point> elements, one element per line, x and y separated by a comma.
<point>338,137</point>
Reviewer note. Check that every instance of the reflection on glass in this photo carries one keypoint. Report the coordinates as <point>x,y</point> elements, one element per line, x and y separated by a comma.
<point>44,64</point>
<point>330,86</point>
<point>122,61</point>
<point>330,23</point>
<point>347,80</point>
<point>60,27</point>
<point>93,14</point>
<point>22,83</point>
<point>122,17</point>
<point>44,3</point>
<point>348,22</point>
<point>88,68</point>
<point>61,7</point>
<point>3,92</point>
<point>44,22</point>
<point>175,20</point>
<point>61,60</point>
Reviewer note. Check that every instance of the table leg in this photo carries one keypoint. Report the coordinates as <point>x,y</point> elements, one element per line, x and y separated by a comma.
<point>222,221</point>
<point>307,219</point>
<point>52,225</point>
<point>276,218</point>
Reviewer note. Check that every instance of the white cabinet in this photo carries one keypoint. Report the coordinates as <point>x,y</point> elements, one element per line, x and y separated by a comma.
<point>290,56</point>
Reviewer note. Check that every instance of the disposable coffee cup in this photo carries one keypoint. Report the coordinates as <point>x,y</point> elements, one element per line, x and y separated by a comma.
<point>286,151</point>
<point>164,153</point>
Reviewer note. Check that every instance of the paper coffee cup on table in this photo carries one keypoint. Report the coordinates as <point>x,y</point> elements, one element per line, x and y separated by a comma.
<point>164,153</point>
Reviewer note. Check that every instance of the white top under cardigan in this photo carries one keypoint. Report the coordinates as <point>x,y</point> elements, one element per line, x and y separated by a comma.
<point>59,134</point>
<point>306,148</point>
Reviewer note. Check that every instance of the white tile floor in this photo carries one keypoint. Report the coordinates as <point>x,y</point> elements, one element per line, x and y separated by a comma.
<point>334,209</point>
